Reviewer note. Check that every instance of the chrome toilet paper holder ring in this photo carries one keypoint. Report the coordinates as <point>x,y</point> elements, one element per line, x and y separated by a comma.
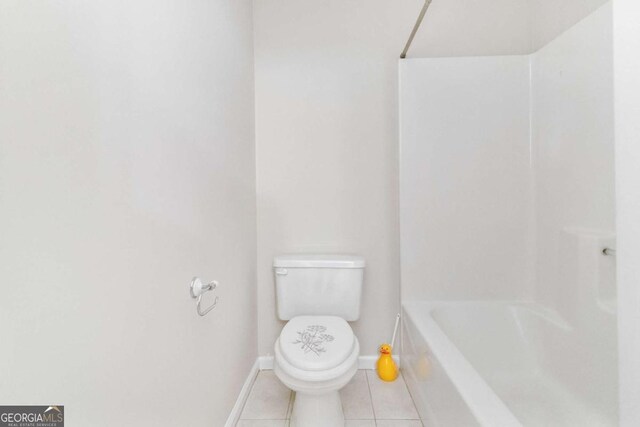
<point>197,289</point>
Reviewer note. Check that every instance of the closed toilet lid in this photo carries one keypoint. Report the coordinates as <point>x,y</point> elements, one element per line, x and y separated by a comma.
<point>316,343</point>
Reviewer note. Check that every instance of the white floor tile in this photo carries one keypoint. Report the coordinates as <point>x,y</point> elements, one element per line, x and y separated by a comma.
<point>398,423</point>
<point>356,399</point>
<point>268,400</point>
<point>365,397</point>
<point>262,423</point>
<point>391,400</point>
<point>359,423</point>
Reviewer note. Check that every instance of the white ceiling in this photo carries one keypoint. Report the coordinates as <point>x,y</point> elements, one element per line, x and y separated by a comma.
<point>494,27</point>
<point>552,17</point>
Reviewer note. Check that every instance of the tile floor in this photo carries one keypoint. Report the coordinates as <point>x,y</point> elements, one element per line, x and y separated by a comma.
<point>367,402</point>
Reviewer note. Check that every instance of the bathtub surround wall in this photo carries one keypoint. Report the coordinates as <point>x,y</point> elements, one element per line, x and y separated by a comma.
<point>573,149</point>
<point>573,146</point>
<point>126,167</point>
<point>465,187</point>
<point>571,189</point>
<point>530,150</point>
<point>626,15</point>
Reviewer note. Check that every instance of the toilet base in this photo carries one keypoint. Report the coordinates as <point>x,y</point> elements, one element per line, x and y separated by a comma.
<point>317,410</point>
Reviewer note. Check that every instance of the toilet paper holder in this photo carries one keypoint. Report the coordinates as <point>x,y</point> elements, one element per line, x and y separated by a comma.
<point>197,289</point>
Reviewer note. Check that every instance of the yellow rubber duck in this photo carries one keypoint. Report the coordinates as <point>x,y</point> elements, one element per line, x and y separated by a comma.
<point>386,366</point>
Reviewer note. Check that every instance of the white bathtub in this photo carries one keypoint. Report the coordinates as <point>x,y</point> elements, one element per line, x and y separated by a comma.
<point>503,364</point>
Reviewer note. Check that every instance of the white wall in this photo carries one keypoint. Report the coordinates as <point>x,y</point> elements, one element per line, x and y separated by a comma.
<point>465,209</point>
<point>626,15</point>
<point>126,167</point>
<point>573,143</point>
<point>326,138</point>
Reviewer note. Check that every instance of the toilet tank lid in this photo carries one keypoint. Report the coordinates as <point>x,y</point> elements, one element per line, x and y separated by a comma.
<point>318,261</point>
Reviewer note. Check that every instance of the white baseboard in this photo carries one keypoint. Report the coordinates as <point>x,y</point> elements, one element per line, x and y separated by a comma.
<point>364,362</point>
<point>369,362</point>
<point>265,362</point>
<point>234,416</point>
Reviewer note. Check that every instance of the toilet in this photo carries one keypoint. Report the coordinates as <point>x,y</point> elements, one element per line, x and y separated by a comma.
<point>317,352</point>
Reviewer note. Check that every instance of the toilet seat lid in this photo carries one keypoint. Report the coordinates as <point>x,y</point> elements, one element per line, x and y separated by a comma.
<point>316,343</point>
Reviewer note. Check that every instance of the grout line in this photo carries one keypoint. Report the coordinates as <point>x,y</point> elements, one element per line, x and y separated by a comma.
<point>400,377</point>
<point>261,418</point>
<point>375,417</point>
<point>373,407</point>
<point>410,395</point>
<point>292,397</point>
<point>243,396</point>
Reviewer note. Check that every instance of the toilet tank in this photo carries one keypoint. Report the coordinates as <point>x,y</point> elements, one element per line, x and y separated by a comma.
<point>327,285</point>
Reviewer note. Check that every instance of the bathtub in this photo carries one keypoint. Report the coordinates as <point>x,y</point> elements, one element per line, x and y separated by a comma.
<point>507,364</point>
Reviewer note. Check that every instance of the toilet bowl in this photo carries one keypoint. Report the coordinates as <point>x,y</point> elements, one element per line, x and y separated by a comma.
<point>316,356</point>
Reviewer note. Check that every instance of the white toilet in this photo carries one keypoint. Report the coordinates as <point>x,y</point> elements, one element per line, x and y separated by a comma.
<point>316,353</point>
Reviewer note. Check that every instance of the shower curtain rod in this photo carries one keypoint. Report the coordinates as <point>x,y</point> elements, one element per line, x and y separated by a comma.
<point>415,28</point>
